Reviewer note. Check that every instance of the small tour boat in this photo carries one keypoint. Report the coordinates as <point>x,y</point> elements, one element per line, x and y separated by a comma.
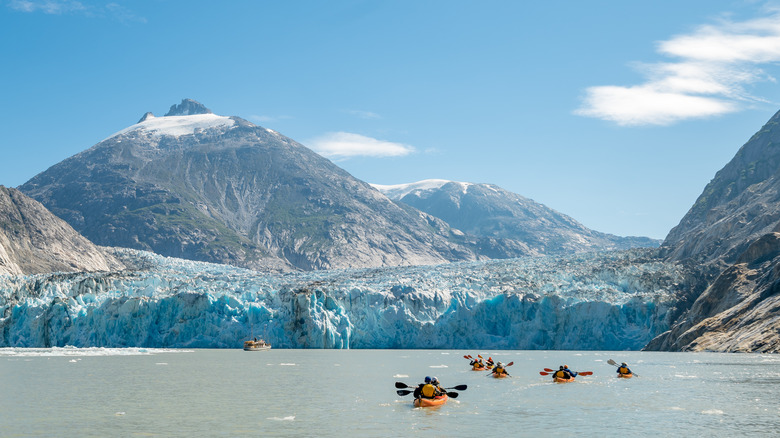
<point>256,345</point>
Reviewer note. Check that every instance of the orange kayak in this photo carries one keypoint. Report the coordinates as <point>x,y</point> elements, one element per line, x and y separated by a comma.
<point>562,380</point>
<point>478,369</point>
<point>500,376</point>
<point>426,402</point>
<point>625,376</point>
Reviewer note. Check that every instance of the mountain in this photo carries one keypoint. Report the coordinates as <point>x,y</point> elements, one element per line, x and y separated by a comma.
<point>196,185</point>
<point>732,233</point>
<point>488,211</point>
<point>33,240</point>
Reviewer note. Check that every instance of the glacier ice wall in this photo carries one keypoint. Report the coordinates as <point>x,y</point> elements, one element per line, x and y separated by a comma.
<point>605,301</point>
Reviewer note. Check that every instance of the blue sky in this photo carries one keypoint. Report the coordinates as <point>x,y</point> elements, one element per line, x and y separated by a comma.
<point>615,113</point>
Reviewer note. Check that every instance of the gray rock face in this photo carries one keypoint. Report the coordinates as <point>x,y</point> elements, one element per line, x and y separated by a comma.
<point>739,311</point>
<point>731,233</point>
<point>187,107</point>
<point>220,189</point>
<point>488,211</point>
<point>33,241</point>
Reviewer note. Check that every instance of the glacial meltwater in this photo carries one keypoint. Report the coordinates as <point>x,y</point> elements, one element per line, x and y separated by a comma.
<point>345,393</point>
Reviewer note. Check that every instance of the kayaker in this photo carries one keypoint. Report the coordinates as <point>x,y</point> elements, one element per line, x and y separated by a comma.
<point>499,369</point>
<point>429,389</point>
<point>418,390</point>
<point>437,387</point>
<point>571,373</point>
<point>490,362</point>
<point>562,373</point>
<point>623,369</point>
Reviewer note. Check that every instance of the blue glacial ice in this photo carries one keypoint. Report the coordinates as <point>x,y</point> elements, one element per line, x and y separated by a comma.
<point>597,301</point>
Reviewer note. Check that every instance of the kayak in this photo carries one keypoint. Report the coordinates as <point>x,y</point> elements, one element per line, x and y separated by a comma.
<point>562,380</point>
<point>426,402</point>
<point>478,369</point>
<point>499,376</point>
<point>625,376</point>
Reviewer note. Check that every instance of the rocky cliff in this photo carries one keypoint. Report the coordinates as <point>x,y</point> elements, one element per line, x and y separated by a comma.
<point>731,234</point>
<point>33,240</point>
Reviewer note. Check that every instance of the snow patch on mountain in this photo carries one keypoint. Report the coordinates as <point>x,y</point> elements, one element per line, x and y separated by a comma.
<point>398,191</point>
<point>177,126</point>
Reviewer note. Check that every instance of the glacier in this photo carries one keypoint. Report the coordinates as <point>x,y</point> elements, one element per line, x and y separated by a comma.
<point>596,301</point>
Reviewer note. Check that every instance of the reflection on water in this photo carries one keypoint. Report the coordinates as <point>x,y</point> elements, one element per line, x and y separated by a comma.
<point>340,393</point>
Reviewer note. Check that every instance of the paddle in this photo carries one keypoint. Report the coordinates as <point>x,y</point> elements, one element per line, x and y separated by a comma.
<point>401,385</point>
<point>615,364</point>
<point>403,392</point>
<point>582,373</point>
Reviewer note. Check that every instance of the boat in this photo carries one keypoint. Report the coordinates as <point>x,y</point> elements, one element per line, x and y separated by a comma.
<point>478,369</point>
<point>625,376</point>
<point>427,402</point>
<point>499,376</point>
<point>563,380</point>
<point>256,345</point>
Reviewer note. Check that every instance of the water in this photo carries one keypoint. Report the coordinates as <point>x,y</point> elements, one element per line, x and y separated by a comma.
<point>345,393</point>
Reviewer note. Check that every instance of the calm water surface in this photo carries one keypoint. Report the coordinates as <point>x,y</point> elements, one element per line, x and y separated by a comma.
<point>345,393</point>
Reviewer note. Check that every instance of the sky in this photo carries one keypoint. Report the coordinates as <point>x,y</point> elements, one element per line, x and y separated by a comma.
<point>615,113</point>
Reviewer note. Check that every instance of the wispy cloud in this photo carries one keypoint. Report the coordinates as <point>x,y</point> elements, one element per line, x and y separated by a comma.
<point>715,65</point>
<point>61,7</point>
<point>341,145</point>
<point>368,115</point>
<point>54,7</point>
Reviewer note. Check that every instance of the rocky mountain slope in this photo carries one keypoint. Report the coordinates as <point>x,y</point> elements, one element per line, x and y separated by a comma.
<point>32,240</point>
<point>731,233</point>
<point>489,211</point>
<point>200,186</point>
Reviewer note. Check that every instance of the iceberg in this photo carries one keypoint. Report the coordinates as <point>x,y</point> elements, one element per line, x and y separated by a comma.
<point>596,301</point>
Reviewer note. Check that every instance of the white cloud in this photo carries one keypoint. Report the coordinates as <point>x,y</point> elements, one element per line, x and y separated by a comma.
<point>47,6</point>
<point>715,64</point>
<point>368,115</point>
<point>340,145</point>
<point>61,7</point>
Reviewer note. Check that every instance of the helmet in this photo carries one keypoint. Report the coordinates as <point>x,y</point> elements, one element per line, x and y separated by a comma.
<point>427,379</point>
<point>566,366</point>
<point>434,380</point>
<point>624,364</point>
<point>561,367</point>
<point>500,364</point>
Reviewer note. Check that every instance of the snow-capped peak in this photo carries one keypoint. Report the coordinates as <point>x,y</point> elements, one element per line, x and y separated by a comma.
<point>177,126</point>
<point>186,118</point>
<point>398,191</point>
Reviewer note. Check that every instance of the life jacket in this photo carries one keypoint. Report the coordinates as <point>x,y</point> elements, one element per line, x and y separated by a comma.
<point>428,391</point>
<point>561,374</point>
<point>623,370</point>
<point>499,370</point>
